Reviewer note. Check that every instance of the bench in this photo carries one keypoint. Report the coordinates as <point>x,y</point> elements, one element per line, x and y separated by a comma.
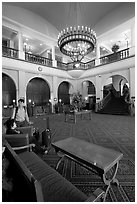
<point>36,181</point>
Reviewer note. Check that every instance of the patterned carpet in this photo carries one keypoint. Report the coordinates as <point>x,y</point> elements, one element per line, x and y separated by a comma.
<point>112,131</point>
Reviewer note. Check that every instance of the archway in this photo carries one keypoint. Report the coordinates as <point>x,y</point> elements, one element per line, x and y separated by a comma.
<point>115,81</point>
<point>63,92</point>
<point>38,91</point>
<point>8,90</point>
<point>89,94</point>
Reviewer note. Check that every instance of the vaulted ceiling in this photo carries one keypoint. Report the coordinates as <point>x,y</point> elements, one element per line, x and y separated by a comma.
<point>60,14</point>
<point>64,14</point>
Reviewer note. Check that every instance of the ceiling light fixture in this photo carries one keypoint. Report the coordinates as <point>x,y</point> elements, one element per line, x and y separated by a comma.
<point>77,41</point>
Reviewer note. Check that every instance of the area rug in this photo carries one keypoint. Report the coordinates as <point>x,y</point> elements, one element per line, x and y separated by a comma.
<point>115,132</point>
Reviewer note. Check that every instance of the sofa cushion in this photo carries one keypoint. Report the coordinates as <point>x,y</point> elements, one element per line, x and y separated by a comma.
<point>55,188</point>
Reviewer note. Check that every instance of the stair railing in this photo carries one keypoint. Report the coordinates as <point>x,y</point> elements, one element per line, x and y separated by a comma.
<point>101,104</point>
<point>115,93</point>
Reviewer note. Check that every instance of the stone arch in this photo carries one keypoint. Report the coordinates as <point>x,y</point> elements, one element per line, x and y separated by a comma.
<point>38,91</point>
<point>64,91</point>
<point>89,93</point>
<point>12,75</point>
<point>8,90</point>
<point>115,80</point>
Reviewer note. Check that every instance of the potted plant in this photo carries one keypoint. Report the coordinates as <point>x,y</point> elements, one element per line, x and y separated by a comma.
<point>115,48</point>
<point>77,102</point>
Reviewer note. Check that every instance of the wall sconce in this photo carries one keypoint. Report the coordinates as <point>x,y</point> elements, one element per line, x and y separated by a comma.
<point>60,100</point>
<point>86,98</point>
<point>27,48</point>
<point>55,99</point>
<point>29,100</point>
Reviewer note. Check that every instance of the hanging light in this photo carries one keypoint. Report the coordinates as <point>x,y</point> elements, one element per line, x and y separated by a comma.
<point>76,42</point>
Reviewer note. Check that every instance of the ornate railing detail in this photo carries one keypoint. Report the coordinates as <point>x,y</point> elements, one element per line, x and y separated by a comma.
<point>90,64</point>
<point>9,52</point>
<point>114,92</point>
<point>38,59</point>
<point>62,65</point>
<point>82,65</point>
<point>115,56</point>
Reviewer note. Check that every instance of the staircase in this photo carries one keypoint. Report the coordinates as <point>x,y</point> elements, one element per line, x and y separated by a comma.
<point>115,106</point>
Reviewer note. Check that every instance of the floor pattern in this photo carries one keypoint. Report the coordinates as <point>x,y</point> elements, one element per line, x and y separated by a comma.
<point>112,131</point>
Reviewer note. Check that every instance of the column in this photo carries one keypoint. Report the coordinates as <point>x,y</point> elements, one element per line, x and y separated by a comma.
<point>99,92</point>
<point>20,46</point>
<point>85,89</point>
<point>53,57</point>
<point>132,81</point>
<point>132,49</point>
<point>22,85</point>
<point>97,61</point>
<point>55,92</point>
<point>52,101</point>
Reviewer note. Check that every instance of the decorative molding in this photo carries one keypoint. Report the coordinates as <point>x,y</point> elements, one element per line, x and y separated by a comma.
<point>40,69</point>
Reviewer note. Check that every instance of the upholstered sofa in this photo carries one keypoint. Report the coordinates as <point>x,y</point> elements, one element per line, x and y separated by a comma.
<point>36,181</point>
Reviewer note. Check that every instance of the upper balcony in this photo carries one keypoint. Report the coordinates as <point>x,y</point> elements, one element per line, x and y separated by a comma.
<point>35,59</point>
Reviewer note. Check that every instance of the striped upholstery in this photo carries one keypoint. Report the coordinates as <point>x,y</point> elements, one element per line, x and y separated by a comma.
<point>55,188</point>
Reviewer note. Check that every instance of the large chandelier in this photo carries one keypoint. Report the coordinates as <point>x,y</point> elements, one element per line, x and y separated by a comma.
<point>76,42</point>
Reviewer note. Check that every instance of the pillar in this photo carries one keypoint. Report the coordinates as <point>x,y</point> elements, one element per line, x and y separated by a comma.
<point>20,46</point>
<point>99,91</point>
<point>53,57</point>
<point>22,85</point>
<point>132,49</point>
<point>55,91</point>
<point>97,61</point>
<point>132,81</point>
<point>85,89</point>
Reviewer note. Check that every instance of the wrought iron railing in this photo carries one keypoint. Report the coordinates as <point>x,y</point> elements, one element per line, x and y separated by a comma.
<point>13,53</point>
<point>9,52</point>
<point>90,64</point>
<point>62,65</point>
<point>115,56</point>
<point>101,104</point>
<point>82,65</point>
<point>38,59</point>
<point>115,93</point>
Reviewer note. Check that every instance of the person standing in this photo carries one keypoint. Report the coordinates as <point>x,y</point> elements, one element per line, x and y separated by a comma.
<point>20,114</point>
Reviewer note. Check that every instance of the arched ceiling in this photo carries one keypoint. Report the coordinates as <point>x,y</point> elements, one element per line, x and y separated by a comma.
<point>100,16</point>
<point>62,14</point>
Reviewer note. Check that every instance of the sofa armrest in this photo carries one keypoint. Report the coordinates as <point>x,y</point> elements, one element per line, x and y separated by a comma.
<point>97,196</point>
<point>30,146</point>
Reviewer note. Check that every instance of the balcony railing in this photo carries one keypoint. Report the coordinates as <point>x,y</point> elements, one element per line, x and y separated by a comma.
<point>13,53</point>
<point>9,52</point>
<point>38,59</point>
<point>82,65</point>
<point>115,56</point>
<point>62,65</point>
